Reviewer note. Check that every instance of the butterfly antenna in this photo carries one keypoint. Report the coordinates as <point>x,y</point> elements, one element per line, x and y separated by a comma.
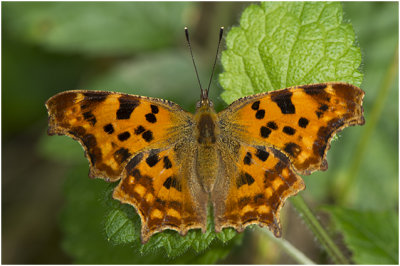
<point>221,31</point>
<point>194,64</point>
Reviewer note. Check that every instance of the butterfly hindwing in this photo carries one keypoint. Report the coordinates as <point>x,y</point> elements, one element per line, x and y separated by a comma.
<point>112,127</point>
<point>256,188</point>
<point>298,121</point>
<point>158,184</point>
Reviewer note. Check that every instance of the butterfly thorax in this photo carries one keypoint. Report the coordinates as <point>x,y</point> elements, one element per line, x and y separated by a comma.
<point>206,135</point>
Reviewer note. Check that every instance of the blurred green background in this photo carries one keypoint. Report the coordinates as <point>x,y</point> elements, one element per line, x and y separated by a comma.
<point>140,48</point>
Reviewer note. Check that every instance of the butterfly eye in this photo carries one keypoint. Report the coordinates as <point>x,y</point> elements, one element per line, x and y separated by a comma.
<point>206,102</point>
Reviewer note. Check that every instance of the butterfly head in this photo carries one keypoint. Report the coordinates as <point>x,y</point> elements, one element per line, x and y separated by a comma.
<point>205,102</point>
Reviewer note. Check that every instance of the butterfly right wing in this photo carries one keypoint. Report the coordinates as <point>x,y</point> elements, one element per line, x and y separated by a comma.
<point>255,184</point>
<point>266,139</point>
<point>298,121</point>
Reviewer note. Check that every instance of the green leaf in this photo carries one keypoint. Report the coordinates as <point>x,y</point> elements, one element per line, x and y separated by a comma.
<point>61,148</point>
<point>120,228</point>
<point>282,44</point>
<point>81,222</point>
<point>175,245</point>
<point>97,28</point>
<point>123,226</point>
<point>371,236</point>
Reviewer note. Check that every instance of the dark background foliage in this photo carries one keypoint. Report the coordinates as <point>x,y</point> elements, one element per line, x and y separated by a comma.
<point>139,48</point>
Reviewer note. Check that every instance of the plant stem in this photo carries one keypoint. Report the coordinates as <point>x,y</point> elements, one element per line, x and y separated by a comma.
<point>370,125</point>
<point>292,251</point>
<point>319,232</point>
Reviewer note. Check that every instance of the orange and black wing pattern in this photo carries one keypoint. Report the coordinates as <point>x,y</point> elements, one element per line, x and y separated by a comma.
<point>299,121</point>
<point>113,127</point>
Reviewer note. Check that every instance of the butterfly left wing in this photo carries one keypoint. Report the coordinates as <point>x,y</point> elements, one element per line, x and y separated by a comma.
<point>162,187</point>
<point>255,185</point>
<point>112,127</point>
<point>299,121</point>
<point>145,141</point>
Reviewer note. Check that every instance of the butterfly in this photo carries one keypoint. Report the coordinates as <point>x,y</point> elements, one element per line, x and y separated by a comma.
<point>245,160</point>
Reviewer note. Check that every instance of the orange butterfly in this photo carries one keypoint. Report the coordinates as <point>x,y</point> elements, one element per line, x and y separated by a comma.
<point>244,160</point>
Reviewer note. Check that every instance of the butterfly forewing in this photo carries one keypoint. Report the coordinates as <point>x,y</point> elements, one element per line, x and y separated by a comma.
<point>112,127</point>
<point>298,121</point>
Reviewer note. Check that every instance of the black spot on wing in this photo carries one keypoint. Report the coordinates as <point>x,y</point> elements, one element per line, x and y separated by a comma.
<point>109,129</point>
<point>167,163</point>
<point>260,114</point>
<point>243,179</point>
<point>288,130</point>
<point>150,117</point>
<point>121,155</point>
<point>255,105</point>
<point>264,132</point>
<point>247,158</point>
<point>292,149</point>
<point>152,160</point>
<point>88,116</point>
<point>126,107</point>
<point>124,136</point>
<point>133,162</point>
<point>313,89</point>
<point>147,136</point>
<point>172,182</point>
<point>272,125</point>
<point>139,130</point>
<point>323,107</point>
<point>303,122</point>
<point>284,101</point>
<point>167,183</point>
<point>176,184</point>
<point>262,155</point>
<point>249,179</point>
<point>95,96</point>
<point>154,109</point>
